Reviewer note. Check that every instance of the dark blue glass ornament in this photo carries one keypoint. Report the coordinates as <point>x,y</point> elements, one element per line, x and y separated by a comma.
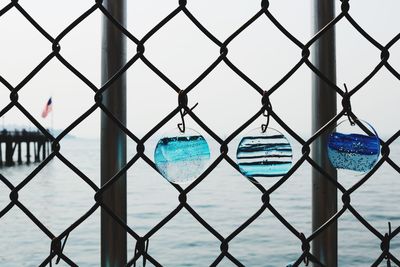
<point>350,148</point>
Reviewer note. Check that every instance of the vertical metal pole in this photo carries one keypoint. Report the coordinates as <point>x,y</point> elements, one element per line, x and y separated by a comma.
<point>324,194</point>
<point>113,140</point>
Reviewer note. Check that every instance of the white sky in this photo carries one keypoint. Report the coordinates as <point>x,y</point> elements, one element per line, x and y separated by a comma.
<point>182,52</point>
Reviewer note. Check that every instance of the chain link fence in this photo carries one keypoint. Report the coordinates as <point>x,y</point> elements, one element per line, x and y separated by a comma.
<point>57,242</point>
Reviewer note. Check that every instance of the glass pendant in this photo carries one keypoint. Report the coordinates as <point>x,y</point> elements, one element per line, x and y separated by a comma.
<point>181,157</point>
<point>352,148</point>
<point>264,154</point>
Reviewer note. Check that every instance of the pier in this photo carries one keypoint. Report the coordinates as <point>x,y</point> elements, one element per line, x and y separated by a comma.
<point>36,147</point>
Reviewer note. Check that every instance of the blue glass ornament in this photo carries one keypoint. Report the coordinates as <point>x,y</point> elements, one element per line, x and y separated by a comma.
<point>350,148</point>
<point>182,157</point>
<point>264,154</point>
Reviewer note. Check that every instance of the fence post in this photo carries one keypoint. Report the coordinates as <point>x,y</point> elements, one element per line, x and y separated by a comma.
<point>324,194</point>
<point>113,140</point>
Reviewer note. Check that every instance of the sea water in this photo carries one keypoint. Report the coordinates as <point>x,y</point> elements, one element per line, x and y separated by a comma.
<point>225,199</point>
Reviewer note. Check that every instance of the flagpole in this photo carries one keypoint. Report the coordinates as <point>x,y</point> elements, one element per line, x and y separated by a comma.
<point>52,118</point>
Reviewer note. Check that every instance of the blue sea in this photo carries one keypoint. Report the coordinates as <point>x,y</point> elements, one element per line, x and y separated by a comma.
<point>225,199</point>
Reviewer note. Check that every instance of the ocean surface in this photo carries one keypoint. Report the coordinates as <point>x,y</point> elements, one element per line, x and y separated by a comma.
<point>225,199</point>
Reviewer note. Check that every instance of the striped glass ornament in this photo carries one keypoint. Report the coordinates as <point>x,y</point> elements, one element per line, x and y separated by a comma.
<point>264,154</point>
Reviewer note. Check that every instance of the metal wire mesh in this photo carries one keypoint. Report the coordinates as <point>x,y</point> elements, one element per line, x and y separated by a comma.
<point>57,242</point>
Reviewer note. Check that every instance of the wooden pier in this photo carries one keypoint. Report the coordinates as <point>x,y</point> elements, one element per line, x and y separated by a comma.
<point>16,141</point>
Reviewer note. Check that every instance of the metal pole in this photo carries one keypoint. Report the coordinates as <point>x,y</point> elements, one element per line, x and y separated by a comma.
<point>324,194</point>
<point>113,140</point>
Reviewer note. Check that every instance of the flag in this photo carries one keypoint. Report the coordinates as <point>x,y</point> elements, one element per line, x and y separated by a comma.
<point>47,109</point>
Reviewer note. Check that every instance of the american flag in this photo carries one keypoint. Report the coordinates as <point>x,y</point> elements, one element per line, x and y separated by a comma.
<point>47,109</point>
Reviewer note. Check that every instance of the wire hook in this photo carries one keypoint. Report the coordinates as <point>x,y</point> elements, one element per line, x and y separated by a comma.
<point>61,250</point>
<point>183,112</point>
<point>306,261</point>
<point>141,247</point>
<point>388,264</point>
<point>352,123</point>
<point>267,106</point>
<point>265,126</point>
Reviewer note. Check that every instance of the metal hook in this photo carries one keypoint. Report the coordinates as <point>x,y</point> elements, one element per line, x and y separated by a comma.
<point>142,250</point>
<point>51,260</point>
<point>388,236</point>
<point>306,261</point>
<point>266,114</point>
<point>265,126</point>
<point>352,123</point>
<point>183,113</point>
<point>62,248</point>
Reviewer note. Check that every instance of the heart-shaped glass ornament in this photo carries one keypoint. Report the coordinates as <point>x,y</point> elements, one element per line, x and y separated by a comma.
<point>265,153</point>
<point>354,146</point>
<point>181,157</point>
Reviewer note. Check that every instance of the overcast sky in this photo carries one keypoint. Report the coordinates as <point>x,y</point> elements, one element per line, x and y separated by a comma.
<point>182,52</point>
